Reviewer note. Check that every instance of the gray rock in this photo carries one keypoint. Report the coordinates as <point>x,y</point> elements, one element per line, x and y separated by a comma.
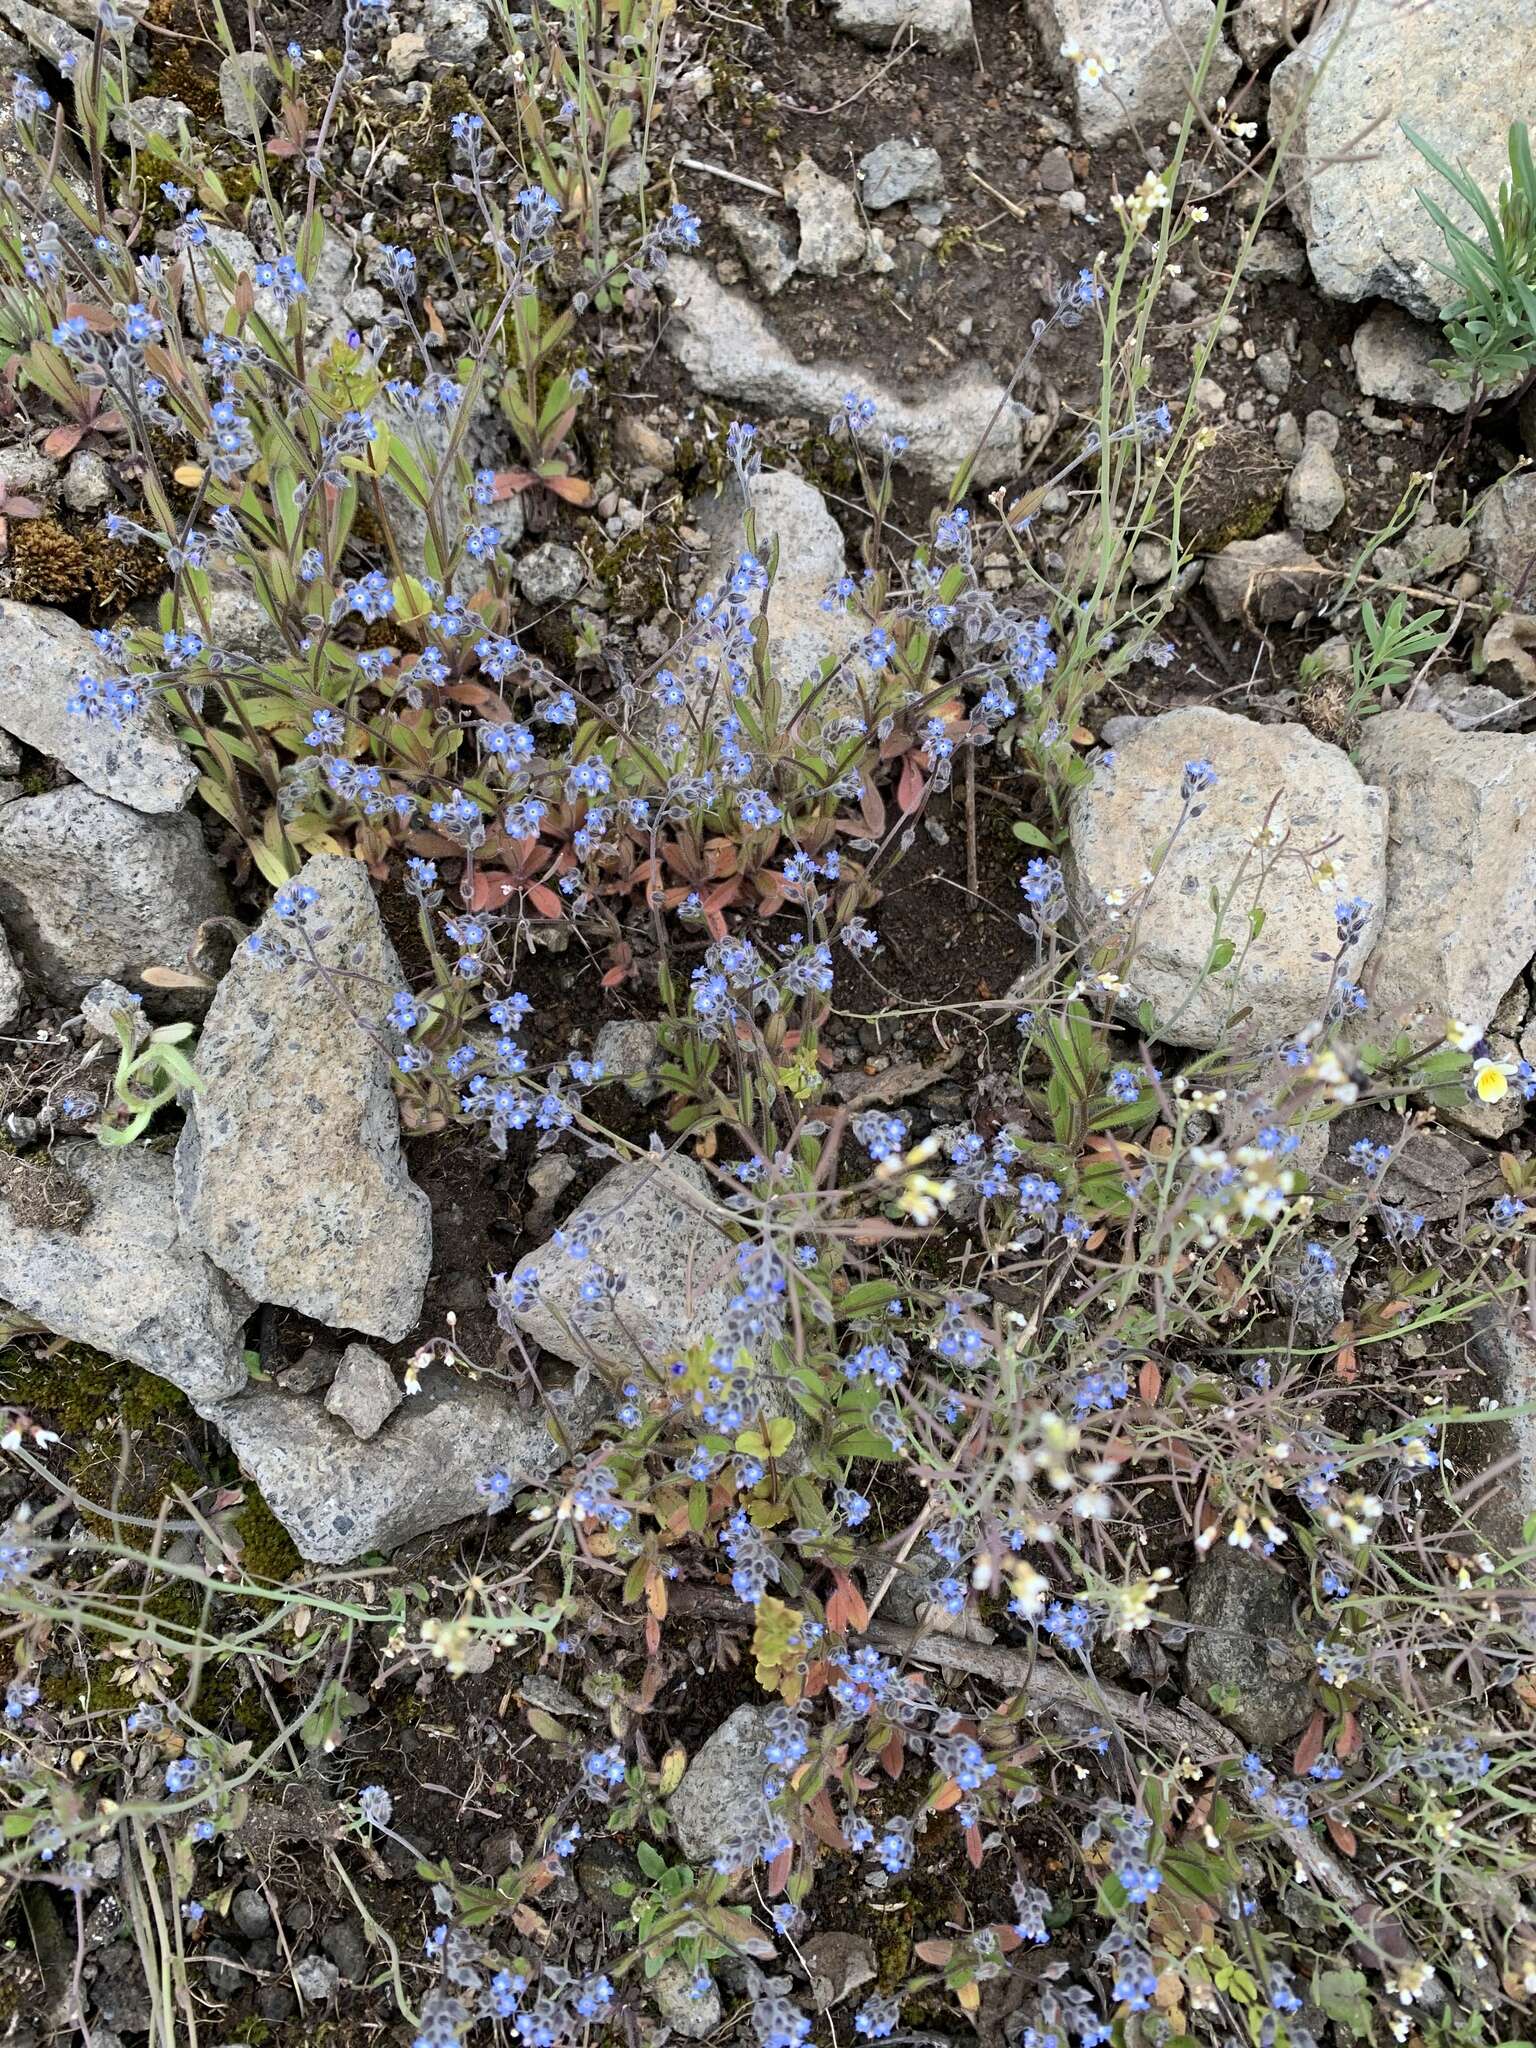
<point>364,1393</point>
<point>812,557</point>
<point>1463,833</point>
<point>695,2018</point>
<point>1314,492</point>
<point>1260,27</point>
<point>88,483</point>
<point>222,1966</point>
<point>1269,579</point>
<point>1288,438</point>
<point>347,1946</point>
<point>1149,49</point>
<point>151,115</point>
<point>1274,777</point>
<point>122,1278</point>
<point>1396,358</point>
<point>238,622</point>
<point>1275,259</point>
<point>720,1798</point>
<point>1274,371</point>
<point>645,1224</point>
<point>1504,1351</point>
<point>289,1172</point>
<point>1454,75</point>
<point>1471,707</point>
<point>340,1499</point>
<point>248,93</point>
<point>13,990</point>
<point>767,246</point>
<point>630,1051</point>
<point>316,1978</point>
<point>91,890</point>
<point>838,1965</point>
<point>101,1006</point>
<point>832,236</point>
<point>1054,171</point>
<point>457,32</point>
<point>894,172</point>
<point>41,654</point>
<point>28,473</point>
<point>214,268</point>
<point>729,351</point>
<point>551,573</point>
<point>942,25</point>
<point>1243,1637</point>
<point>251,1914</point>
<point>1504,537</point>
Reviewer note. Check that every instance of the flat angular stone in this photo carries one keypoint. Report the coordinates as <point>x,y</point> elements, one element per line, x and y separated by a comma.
<point>719,1802</point>
<point>942,25</point>
<point>92,891</point>
<point>729,350</point>
<point>340,1498</point>
<point>42,652</point>
<point>120,1277</point>
<point>289,1172</point>
<point>644,1223</point>
<point>1274,778</point>
<point>812,557</point>
<point>1504,537</point>
<point>832,236</point>
<point>1460,914</point>
<point>1269,579</point>
<point>364,1393</point>
<point>1456,74</point>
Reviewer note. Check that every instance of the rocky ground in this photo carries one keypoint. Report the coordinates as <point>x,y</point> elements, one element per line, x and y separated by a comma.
<point>265,1334</point>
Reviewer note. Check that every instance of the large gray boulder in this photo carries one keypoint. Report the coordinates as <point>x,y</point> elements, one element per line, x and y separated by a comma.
<point>289,1171</point>
<point>1149,50</point>
<point>42,653</point>
<point>729,350</point>
<point>719,1802</point>
<point>646,1225</point>
<point>1460,913</point>
<point>1271,780</point>
<point>340,1496</point>
<point>1456,71</point>
<point>93,891</point>
<point>90,1248</point>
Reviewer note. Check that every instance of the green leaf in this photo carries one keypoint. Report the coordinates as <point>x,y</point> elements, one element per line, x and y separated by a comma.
<point>650,1859</point>
<point>1032,835</point>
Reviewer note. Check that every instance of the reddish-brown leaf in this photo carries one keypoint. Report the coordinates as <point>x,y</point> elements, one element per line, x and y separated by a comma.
<point>1343,1835</point>
<point>1349,1735</point>
<point>973,1845</point>
<point>1149,1381</point>
<point>1310,1747</point>
<point>545,901</point>
<point>575,490</point>
<point>846,1608</point>
<point>778,1871</point>
<point>936,1952</point>
<point>948,1795</point>
<point>909,786</point>
<point>489,889</point>
<point>63,441</point>
<point>894,1755</point>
